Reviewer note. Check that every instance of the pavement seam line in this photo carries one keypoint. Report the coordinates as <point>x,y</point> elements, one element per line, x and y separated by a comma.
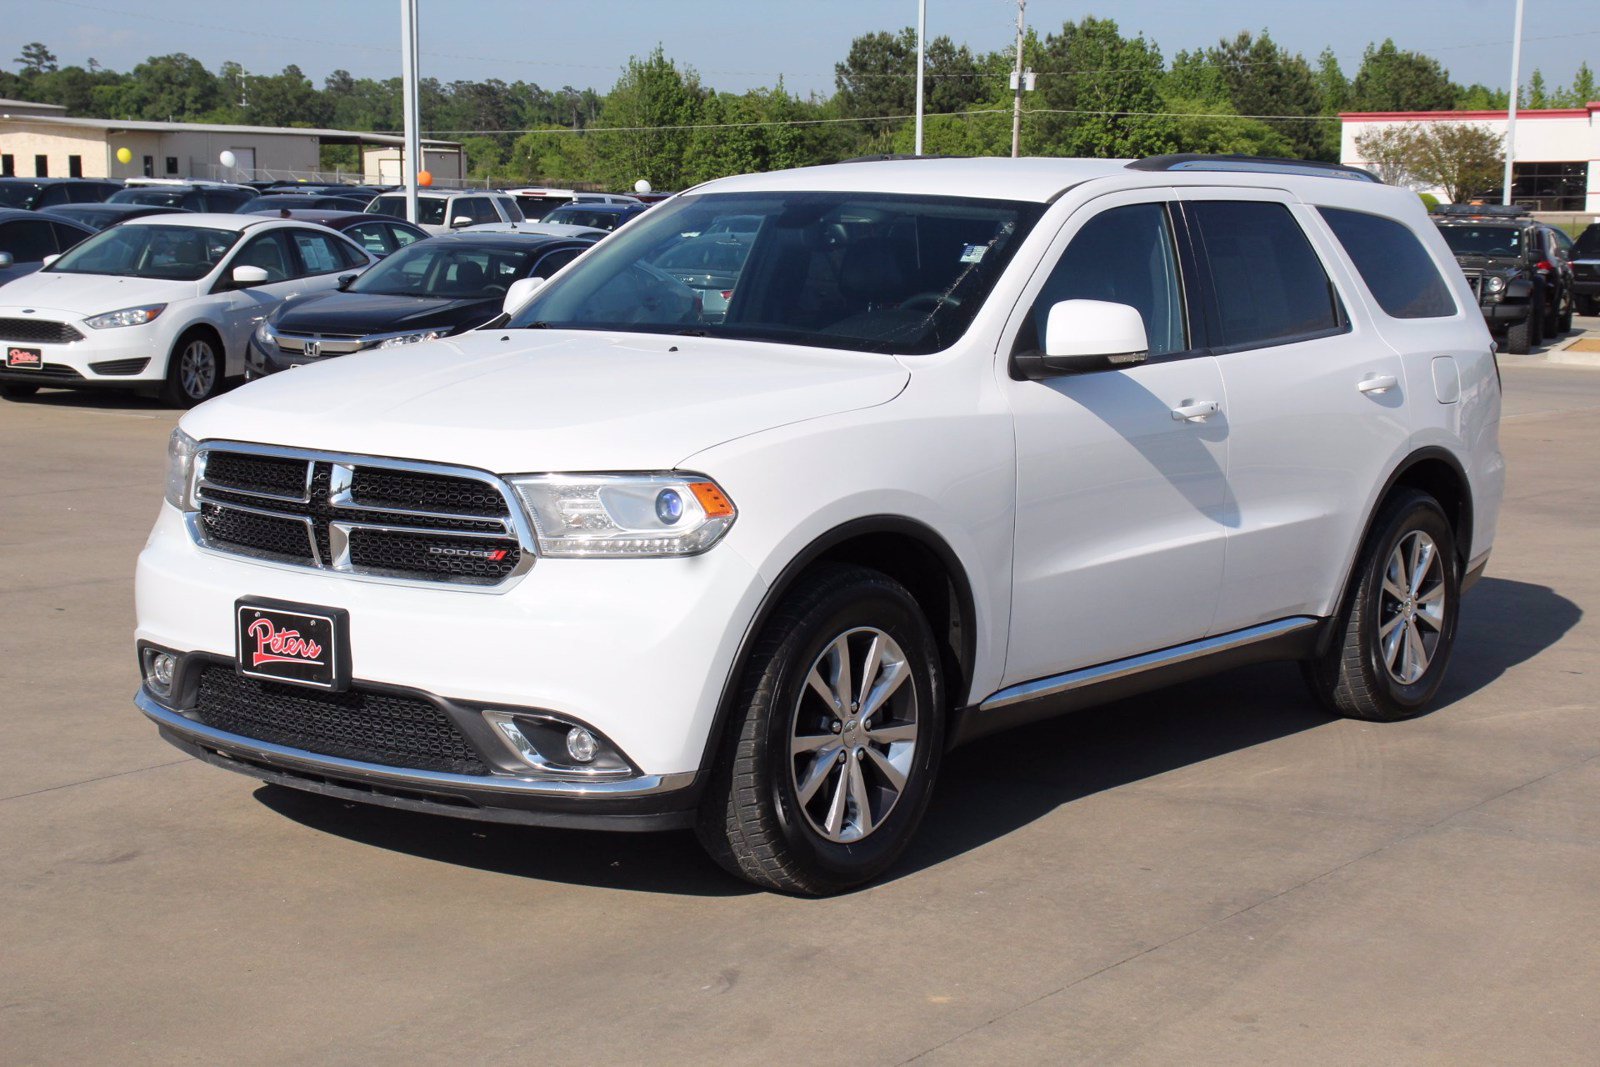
<point>1202,928</point>
<point>101,778</point>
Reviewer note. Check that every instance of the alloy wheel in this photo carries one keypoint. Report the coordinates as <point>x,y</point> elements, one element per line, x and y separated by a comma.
<point>197,369</point>
<point>1411,607</point>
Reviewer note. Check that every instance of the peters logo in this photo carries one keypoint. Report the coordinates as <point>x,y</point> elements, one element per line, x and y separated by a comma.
<point>21,357</point>
<point>281,646</point>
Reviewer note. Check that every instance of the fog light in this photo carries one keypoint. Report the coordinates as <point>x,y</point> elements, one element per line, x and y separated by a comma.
<point>159,669</point>
<point>581,744</point>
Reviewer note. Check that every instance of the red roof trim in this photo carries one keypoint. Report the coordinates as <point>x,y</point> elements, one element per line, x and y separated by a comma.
<point>1413,116</point>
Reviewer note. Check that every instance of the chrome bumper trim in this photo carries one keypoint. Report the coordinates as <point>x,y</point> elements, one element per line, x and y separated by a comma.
<point>405,777</point>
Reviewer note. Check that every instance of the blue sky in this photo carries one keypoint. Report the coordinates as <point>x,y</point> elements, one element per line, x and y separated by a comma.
<point>739,45</point>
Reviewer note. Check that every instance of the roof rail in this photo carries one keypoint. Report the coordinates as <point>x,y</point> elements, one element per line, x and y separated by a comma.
<point>1509,211</point>
<point>892,157</point>
<point>1258,164</point>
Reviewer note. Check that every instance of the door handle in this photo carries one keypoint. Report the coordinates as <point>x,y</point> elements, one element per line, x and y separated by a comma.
<point>1378,383</point>
<point>1195,411</point>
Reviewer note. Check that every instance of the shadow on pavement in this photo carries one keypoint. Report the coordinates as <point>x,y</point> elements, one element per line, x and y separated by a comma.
<point>106,399</point>
<point>987,789</point>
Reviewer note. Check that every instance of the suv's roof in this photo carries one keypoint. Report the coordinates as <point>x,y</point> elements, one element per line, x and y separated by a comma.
<point>206,220</point>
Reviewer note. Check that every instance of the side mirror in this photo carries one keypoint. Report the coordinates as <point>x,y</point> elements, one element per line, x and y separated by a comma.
<point>461,220</point>
<point>1086,335</point>
<point>345,280</point>
<point>245,277</point>
<point>521,290</point>
<point>49,260</point>
<point>6,260</point>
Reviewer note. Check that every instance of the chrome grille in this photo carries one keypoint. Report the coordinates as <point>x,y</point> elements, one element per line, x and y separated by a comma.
<point>359,515</point>
<point>322,344</point>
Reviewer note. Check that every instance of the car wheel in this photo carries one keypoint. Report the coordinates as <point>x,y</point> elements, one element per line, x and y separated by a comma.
<point>194,370</point>
<point>839,724</point>
<point>1520,337</point>
<point>17,391</point>
<point>1564,323</point>
<point>1393,641</point>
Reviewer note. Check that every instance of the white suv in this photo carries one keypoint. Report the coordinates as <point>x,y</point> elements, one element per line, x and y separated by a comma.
<point>970,443</point>
<point>441,212</point>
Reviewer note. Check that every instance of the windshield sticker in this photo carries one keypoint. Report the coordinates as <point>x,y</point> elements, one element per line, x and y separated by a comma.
<point>973,253</point>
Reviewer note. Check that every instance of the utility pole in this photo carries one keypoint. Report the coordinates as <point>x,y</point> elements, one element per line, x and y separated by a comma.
<point>411,154</point>
<point>1016,78</point>
<point>1511,113</point>
<point>922,27</point>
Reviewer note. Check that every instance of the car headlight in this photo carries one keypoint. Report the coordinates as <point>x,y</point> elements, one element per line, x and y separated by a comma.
<point>126,317</point>
<point>408,339</point>
<point>266,336</point>
<point>625,515</point>
<point>180,468</point>
<point>1494,283</point>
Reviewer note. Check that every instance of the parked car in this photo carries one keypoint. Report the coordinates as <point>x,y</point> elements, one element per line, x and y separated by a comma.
<point>600,216</point>
<point>33,194</point>
<point>535,204</point>
<point>98,216</point>
<point>435,288</point>
<point>1517,270</point>
<point>267,203</point>
<point>545,229</point>
<point>975,442</point>
<point>710,265</point>
<point>1585,259</point>
<point>208,197</point>
<point>28,238</point>
<point>378,234</point>
<point>166,302</point>
<point>441,212</point>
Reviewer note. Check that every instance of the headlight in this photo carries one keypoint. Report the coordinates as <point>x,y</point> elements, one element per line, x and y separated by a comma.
<point>621,515</point>
<point>266,336</point>
<point>1494,283</point>
<point>180,466</point>
<point>408,339</point>
<point>126,317</point>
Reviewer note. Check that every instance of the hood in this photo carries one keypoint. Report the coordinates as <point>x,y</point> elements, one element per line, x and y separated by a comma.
<point>91,294</point>
<point>517,401</point>
<point>365,313</point>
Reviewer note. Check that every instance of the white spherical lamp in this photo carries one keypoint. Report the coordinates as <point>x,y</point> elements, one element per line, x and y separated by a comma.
<point>641,186</point>
<point>227,159</point>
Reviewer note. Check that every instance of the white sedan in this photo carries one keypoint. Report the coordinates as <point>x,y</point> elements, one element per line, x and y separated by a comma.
<point>163,302</point>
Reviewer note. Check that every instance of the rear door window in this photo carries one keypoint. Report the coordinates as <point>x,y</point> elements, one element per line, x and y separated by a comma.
<point>1400,274</point>
<point>28,240</point>
<point>375,237</point>
<point>319,252</point>
<point>1267,284</point>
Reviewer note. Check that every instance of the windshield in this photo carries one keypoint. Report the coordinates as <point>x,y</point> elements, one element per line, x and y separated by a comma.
<point>178,253</point>
<point>535,208</point>
<point>19,194</point>
<point>1483,240</point>
<point>863,271</point>
<point>430,209</point>
<point>575,215</point>
<point>157,197</point>
<point>433,269</point>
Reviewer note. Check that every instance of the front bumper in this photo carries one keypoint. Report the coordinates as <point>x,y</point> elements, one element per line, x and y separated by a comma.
<point>126,357</point>
<point>1503,314</point>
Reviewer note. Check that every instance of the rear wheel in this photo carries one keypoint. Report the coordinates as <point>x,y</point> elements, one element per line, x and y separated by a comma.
<point>827,770</point>
<point>1564,323</point>
<point>194,370</point>
<point>1520,336</point>
<point>1389,654</point>
<point>17,391</point>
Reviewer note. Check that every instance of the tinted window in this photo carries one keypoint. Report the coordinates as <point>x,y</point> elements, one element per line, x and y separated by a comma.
<point>508,208</point>
<point>269,252</point>
<point>1125,256</point>
<point>435,268</point>
<point>1483,240</point>
<point>225,199</point>
<point>18,194</point>
<point>52,195</point>
<point>430,209</point>
<point>554,262</point>
<point>1588,244</point>
<point>477,208</point>
<point>152,195</point>
<point>403,237</point>
<point>1269,285</point>
<point>1393,263</point>
<point>375,237</point>
<point>28,241</point>
<point>67,236</point>
<point>537,207</point>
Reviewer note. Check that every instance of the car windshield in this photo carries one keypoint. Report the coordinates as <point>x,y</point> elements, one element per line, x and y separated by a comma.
<point>535,208</point>
<point>1483,240</point>
<point>19,194</point>
<point>1587,245</point>
<point>456,270</point>
<point>430,209</point>
<point>179,253</point>
<point>147,195</point>
<point>862,271</point>
<point>577,215</point>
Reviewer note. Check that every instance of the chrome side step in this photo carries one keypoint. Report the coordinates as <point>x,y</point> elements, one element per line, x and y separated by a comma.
<point>1083,678</point>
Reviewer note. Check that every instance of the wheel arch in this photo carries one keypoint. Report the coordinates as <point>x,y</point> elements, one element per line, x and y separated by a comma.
<point>909,551</point>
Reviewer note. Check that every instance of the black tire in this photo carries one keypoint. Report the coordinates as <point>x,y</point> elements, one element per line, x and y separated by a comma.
<point>1355,677</point>
<point>1590,305</point>
<point>1536,328</point>
<point>1520,337</point>
<point>1564,323</point>
<point>753,820</point>
<point>184,391</point>
<point>17,390</point>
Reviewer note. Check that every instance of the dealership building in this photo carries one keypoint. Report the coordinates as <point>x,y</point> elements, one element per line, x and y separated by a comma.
<point>1555,160</point>
<point>40,140</point>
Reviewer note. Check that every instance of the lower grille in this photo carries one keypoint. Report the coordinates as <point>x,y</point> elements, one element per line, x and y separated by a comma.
<point>361,724</point>
<point>38,330</point>
<point>57,372</point>
<point>120,366</point>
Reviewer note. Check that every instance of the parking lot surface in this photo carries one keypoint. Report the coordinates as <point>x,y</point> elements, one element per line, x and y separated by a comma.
<point>1214,873</point>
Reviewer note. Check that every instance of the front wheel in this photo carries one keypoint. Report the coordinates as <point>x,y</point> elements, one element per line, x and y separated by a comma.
<point>1389,654</point>
<point>194,371</point>
<point>827,769</point>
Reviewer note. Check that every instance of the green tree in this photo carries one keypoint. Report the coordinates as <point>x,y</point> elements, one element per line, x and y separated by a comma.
<point>176,88</point>
<point>1104,92</point>
<point>1390,151</point>
<point>36,59</point>
<point>1480,97</point>
<point>878,78</point>
<point>286,99</point>
<point>1580,92</point>
<point>1536,95</point>
<point>1332,84</point>
<point>648,107</point>
<point>1393,80</point>
<point>1465,160</point>
<point>1264,79</point>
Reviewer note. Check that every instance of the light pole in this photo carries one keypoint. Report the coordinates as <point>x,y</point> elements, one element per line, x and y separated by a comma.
<point>1511,112</point>
<point>411,154</point>
<point>1016,77</point>
<point>922,27</point>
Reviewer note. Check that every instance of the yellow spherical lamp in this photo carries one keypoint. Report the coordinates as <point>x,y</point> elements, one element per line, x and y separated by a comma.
<point>124,156</point>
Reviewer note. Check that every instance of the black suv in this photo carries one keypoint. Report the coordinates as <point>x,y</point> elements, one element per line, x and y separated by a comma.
<point>1516,267</point>
<point>1586,270</point>
<point>32,194</point>
<point>200,196</point>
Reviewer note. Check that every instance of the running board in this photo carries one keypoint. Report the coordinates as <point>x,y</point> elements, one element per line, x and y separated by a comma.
<point>1291,638</point>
